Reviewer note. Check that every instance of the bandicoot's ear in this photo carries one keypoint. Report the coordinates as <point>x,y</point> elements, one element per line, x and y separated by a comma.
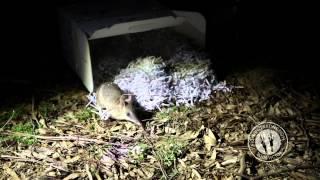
<point>125,99</point>
<point>128,98</point>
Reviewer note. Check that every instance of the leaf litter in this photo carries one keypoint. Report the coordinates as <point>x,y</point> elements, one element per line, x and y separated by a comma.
<point>207,141</point>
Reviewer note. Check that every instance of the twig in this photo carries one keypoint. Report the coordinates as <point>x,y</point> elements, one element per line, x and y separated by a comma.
<point>19,158</point>
<point>97,175</point>
<point>31,160</point>
<point>60,138</point>
<point>242,163</point>
<point>299,175</point>
<point>10,118</point>
<point>33,116</point>
<point>313,121</point>
<point>315,116</point>
<point>235,173</point>
<point>280,171</point>
<point>88,172</point>
<point>305,133</point>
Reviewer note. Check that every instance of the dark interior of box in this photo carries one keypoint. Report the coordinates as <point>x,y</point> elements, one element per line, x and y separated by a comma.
<point>111,54</point>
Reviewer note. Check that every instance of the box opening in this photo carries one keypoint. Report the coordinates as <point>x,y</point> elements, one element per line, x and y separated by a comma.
<point>111,54</point>
<point>93,35</point>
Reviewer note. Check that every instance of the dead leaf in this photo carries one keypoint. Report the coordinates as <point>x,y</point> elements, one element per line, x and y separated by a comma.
<point>229,161</point>
<point>209,164</point>
<point>191,134</point>
<point>115,128</point>
<point>151,159</point>
<point>26,153</point>
<point>42,131</point>
<point>213,155</point>
<point>55,155</point>
<point>169,130</point>
<point>149,172</point>
<point>277,111</point>
<point>182,163</point>
<point>39,155</point>
<point>72,176</point>
<point>124,163</point>
<point>132,174</point>
<point>271,111</point>
<point>42,122</point>
<point>115,173</point>
<point>229,178</point>
<point>209,140</point>
<point>11,172</point>
<point>218,165</point>
<point>194,155</point>
<point>230,106</point>
<point>141,174</point>
<point>219,108</point>
<point>290,112</point>
<point>52,174</point>
<point>72,160</point>
<point>196,174</point>
<point>23,176</point>
<point>246,108</point>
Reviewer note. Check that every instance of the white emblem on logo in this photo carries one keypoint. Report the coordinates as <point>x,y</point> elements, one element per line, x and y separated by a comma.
<point>267,141</point>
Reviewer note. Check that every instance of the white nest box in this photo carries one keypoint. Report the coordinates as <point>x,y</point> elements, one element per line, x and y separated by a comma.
<point>84,22</point>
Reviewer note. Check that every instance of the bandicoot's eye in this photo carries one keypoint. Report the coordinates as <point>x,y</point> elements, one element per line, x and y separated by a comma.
<point>128,114</point>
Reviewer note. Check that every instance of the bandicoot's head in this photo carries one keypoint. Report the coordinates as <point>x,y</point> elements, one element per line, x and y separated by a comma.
<point>126,111</point>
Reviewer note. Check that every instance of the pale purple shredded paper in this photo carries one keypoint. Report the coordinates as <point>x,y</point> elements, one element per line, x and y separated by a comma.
<point>155,88</point>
